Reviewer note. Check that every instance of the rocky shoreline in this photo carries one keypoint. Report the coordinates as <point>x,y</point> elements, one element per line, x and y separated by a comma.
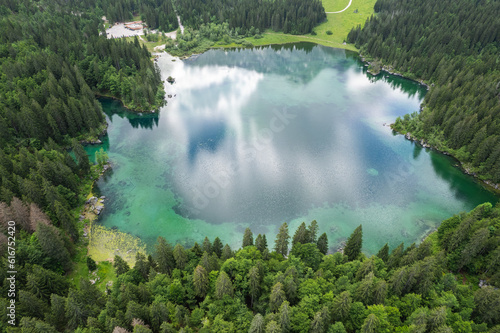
<point>98,140</point>
<point>391,71</point>
<point>93,206</point>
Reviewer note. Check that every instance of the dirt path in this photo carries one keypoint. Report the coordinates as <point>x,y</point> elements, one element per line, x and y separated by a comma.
<point>343,10</point>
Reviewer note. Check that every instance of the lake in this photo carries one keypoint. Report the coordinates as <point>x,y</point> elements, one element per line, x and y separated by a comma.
<point>258,137</point>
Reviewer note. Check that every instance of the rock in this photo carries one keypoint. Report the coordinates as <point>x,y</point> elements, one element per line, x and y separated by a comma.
<point>103,197</point>
<point>408,136</point>
<point>169,96</point>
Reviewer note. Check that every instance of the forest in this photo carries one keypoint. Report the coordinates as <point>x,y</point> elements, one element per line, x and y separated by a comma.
<point>52,66</point>
<point>454,47</point>
<point>293,285</point>
<point>55,60</point>
<point>289,16</point>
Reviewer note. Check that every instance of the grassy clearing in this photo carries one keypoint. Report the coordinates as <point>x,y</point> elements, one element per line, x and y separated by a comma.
<point>335,5</point>
<point>339,24</point>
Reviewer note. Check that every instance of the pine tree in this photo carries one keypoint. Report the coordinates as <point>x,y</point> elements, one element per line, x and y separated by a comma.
<point>247,238</point>
<point>313,231</point>
<point>120,265</point>
<point>322,243</point>
<point>81,157</point>
<point>223,286</point>
<point>253,284</point>
<point>217,247</point>
<point>301,235</point>
<point>53,246</point>
<point>91,264</point>
<point>180,256</point>
<point>261,243</point>
<point>284,317</point>
<point>200,281</point>
<point>383,253</point>
<point>341,306</point>
<point>282,238</point>
<point>277,297</point>
<point>371,324</point>
<point>226,252</point>
<point>257,324</point>
<point>354,243</point>
<point>207,246</point>
<point>164,255</point>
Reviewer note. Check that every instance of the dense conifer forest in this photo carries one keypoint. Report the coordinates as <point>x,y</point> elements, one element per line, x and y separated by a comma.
<point>54,60</point>
<point>454,46</point>
<point>290,16</point>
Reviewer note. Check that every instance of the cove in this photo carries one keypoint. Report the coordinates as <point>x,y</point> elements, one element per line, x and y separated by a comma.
<point>258,137</point>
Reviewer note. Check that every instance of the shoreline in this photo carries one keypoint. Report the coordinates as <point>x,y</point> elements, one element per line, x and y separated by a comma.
<point>488,183</point>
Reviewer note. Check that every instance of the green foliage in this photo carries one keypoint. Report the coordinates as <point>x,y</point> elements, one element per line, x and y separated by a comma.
<point>91,264</point>
<point>247,238</point>
<point>252,17</point>
<point>323,243</point>
<point>120,265</point>
<point>282,238</point>
<point>307,292</point>
<point>354,244</point>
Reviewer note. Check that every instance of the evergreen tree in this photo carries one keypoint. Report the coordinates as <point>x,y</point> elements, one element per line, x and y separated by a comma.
<point>247,238</point>
<point>217,247</point>
<point>371,324</point>
<point>341,306</point>
<point>257,325</point>
<point>120,265</point>
<point>313,231</point>
<point>282,238</point>
<point>322,243</point>
<point>81,157</point>
<point>91,264</point>
<point>277,297</point>
<point>383,253</point>
<point>301,235</point>
<point>354,243</point>
<point>223,286</point>
<point>164,255</point>
<point>200,281</point>
<point>180,256</point>
<point>207,246</point>
<point>261,243</point>
<point>284,316</point>
<point>254,284</point>
<point>226,252</point>
<point>52,245</point>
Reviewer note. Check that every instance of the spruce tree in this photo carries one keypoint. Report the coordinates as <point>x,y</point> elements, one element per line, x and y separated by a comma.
<point>223,286</point>
<point>247,238</point>
<point>301,235</point>
<point>200,281</point>
<point>164,256</point>
<point>217,247</point>
<point>323,243</point>
<point>354,243</point>
<point>282,239</point>
<point>313,231</point>
<point>383,253</point>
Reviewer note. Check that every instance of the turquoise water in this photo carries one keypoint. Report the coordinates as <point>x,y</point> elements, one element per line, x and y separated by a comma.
<point>258,137</point>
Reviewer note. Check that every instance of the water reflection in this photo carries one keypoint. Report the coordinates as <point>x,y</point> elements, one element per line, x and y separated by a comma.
<point>290,133</point>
